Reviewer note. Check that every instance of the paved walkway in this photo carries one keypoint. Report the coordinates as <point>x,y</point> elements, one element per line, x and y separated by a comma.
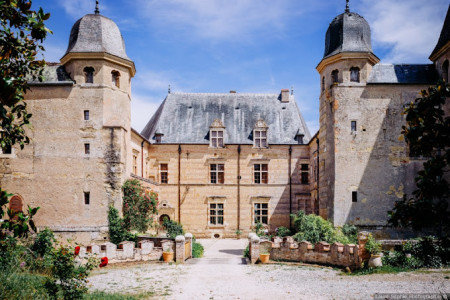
<point>221,252</point>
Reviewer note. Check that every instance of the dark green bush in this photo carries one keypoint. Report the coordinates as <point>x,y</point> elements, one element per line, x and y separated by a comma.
<point>173,228</point>
<point>117,231</point>
<point>197,249</point>
<point>43,244</point>
<point>283,231</point>
<point>351,232</point>
<point>246,253</point>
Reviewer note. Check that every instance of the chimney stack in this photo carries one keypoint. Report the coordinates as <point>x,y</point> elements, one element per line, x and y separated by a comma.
<point>232,92</point>
<point>285,95</point>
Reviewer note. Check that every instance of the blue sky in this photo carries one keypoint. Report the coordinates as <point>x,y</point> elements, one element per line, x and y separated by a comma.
<point>251,46</point>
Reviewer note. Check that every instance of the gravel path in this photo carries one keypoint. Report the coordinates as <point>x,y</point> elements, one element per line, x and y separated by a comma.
<point>221,274</point>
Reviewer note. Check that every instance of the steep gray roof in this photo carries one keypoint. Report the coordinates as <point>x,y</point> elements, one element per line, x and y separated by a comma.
<point>444,38</point>
<point>348,32</point>
<point>54,74</point>
<point>96,33</point>
<point>186,118</point>
<point>403,74</point>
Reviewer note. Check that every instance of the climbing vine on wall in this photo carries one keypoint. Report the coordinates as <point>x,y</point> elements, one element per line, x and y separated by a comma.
<point>139,206</point>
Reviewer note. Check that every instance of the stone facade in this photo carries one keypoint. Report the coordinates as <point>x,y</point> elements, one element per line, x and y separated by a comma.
<point>82,146</point>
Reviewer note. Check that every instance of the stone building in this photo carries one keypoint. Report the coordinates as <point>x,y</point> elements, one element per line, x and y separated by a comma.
<point>220,162</point>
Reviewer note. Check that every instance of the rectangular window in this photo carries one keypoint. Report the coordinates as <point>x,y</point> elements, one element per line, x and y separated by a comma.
<point>354,196</point>
<point>217,173</point>
<point>261,213</point>
<point>217,138</point>
<point>87,148</point>
<point>87,198</point>
<point>353,126</point>
<point>216,213</point>
<point>86,115</point>
<point>164,173</point>
<point>135,164</point>
<point>305,173</point>
<point>260,139</point>
<point>261,173</point>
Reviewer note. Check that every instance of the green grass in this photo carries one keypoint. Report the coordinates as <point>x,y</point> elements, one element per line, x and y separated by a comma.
<point>380,270</point>
<point>22,286</point>
<point>107,296</point>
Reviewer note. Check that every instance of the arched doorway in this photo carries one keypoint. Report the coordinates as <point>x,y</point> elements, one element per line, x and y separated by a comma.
<point>162,218</point>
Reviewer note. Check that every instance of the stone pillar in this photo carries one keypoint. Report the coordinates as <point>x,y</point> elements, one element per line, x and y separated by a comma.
<point>110,251</point>
<point>146,247</point>
<point>362,241</point>
<point>179,249</point>
<point>250,235</point>
<point>254,249</point>
<point>188,237</point>
<point>128,249</point>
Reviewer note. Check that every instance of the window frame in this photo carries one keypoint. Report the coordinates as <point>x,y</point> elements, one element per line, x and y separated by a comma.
<point>335,76</point>
<point>214,215</point>
<point>87,149</point>
<point>260,173</point>
<point>88,72</point>
<point>304,171</point>
<point>86,115</point>
<point>357,71</point>
<point>216,138</point>
<point>353,126</point>
<point>263,206</point>
<point>259,139</point>
<point>135,164</point>
<point>164,173</point>
<point>87,198</point>
<point>218,173</point>
<point>115,78</point>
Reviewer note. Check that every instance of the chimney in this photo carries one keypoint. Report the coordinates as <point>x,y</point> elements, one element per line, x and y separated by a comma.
<point>285,95</point>
<point>232,92</point>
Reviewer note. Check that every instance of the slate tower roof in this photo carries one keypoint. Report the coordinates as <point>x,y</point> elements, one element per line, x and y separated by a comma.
<point>186,118</point>
<point>444,38</point>
<point>96,33</point>
<point>348,32</point>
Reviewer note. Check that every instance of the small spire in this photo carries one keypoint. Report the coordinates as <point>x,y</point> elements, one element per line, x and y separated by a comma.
<point>347,6</point>
<point>169,89</point>
<point>97,11</point>
<point>292,90</point>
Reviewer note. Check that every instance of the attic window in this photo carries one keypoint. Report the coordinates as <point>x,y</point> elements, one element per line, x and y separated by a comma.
<point>260,134</point>
<point>89,75</point>
<point>354,74</point>
<point>300,139</point>
<point>115,77</point>
<point>158,137</point>
<point>335,76</point>
<point>216,134</point>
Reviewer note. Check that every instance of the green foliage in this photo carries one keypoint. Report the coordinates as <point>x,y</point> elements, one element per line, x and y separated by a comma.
<point>117,231</point>
<point>372,246</point>
<point>97,295</point>
<point>246,253</point>
<point>173,228</point>
<point>351,232</point>
<point>427,133</point>
<point>238,232</point>
<point>259,229</point>
<point>17,285</point>
<point>138,206</point>
<point>43,244</point>
<point>312,228</point>
<point>22,32</point>
<point>197,249</point>
<point>283,231</point>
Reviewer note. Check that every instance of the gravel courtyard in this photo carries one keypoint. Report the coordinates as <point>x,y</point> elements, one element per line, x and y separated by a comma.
<point>223,274</point>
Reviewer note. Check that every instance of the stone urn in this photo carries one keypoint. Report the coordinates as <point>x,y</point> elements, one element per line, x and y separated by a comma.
<point>264,257</point>
<point>375,261</point>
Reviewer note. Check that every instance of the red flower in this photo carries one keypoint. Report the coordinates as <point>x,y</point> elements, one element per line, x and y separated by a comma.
<point>104,262</point>
<point>77,250</point>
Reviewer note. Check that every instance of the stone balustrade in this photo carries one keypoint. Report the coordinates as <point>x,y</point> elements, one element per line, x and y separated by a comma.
<point>146,250</point>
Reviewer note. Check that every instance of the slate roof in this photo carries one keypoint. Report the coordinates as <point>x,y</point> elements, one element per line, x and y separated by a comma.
<point>402,74</point>
<point>348,32</point>
<point>54,74</point>
<point>96,33</point>
<point>444,38</point>
<point>186,118</point>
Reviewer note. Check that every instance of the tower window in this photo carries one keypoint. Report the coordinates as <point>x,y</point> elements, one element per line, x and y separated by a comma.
<point>353,126</point>
<point>89,75</point>
<point>87,198</point>
<point>86,115</point>
<point>115,76</point>
<point>323,83</point>
<point>354,196</point>
<point>354,74</point>
<point>445,71</point>
<point>305,173</point>
<point>87,148</point>
<point>335,76</point>
<point>164,173</point>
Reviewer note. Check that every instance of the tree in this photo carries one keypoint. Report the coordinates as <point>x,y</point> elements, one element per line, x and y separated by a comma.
<point>22,32</point>
<point>427,132</point>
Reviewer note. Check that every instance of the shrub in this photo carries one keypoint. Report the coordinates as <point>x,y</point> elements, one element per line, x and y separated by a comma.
<point>173,228</point>
<point>312,228</point>
<point>351,232</point>
<point>372,246</point>
<point>246,253</point>
<point>138,205</point>
<point>117,231</point>
<point>283,231</point>
<point>43,244</point>
<point>197,249</point>
<point>259,229</point>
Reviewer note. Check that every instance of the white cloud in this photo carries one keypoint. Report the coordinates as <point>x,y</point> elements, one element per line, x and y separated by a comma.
<point>142,109</point>
<point>219,19</point>
<point>409,28</point>
<point>78,8</point>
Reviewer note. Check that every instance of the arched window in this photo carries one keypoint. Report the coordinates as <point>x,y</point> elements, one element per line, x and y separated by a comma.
<point>354,74</point>
<point>323,83</point>
<point>335,76</point>
<point>89,75</point>
<point>445,71</point>
<point>115,76</point>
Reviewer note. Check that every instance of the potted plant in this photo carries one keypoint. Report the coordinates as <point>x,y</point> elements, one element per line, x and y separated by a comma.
<point>168,254</point>
<point>374,248</point>
<point>238,233</point>
<point>264,257</point>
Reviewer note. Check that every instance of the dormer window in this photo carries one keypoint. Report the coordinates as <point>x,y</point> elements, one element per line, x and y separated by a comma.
<point>299,138</point>
<point>158,138</point>
<point>335,76</point>
<point>354,74</point>
<point>89,75</point>
<point>260,134</point>
<point>115,76</point>
<point>216,134</point>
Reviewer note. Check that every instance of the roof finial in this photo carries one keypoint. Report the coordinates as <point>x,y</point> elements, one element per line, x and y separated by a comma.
<point>97,11</point>
<point>347,7</point>
<point>169,89</point>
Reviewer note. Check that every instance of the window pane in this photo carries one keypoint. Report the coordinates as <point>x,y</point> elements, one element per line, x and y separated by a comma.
<point>214,142</point>
<point>220,133</point>
<point>213,167</point>
<point>264,205</point>
<point>213,177</point>
<point>220,212</point>
<point>214,133</point>
<point>220,206</point>
<point>264,220</point>
<point>257,167</point>
<point>164,167</point>
<point>265,178</point>
<point>220,142</point>
<point>257,133</point>
<point>263,133</point>
<point>264,167</point>
<point>264,143</point>
<point>220,220</point>
<point>221,167</point>
<point>257,177</point>
<point>221,177</point>
<point>212,206</point>
<point>212,220</point>
<point>257,205</point>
